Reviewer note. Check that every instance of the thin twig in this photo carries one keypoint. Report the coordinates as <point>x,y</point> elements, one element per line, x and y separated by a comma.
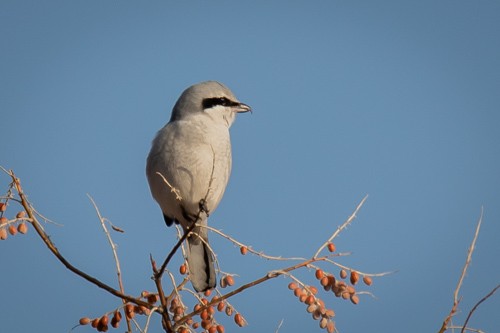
<point>167,324</point>
<point>469,329</point>
<point>115,255</point>
<point>477,304</point>
<point>342,227</point>
<point>260,254</point>
<point>358,271</point>
<point>172,189</point>
<point>279,326</point>
<point>456,299</point>
<point>469,258</point>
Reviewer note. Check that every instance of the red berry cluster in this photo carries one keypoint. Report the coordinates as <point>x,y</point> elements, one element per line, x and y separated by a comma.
<point>13,226</point>
<point>316,306</point>
<point>101,324</point>
<point>206,316</point>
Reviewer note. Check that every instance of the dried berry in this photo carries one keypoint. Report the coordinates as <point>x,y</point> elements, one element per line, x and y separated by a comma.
<point>206,324</point>
<point>323,322</point>
<point>104,320</point>
<point>331,247</point>
<point>324,281</point>
<point>22,228</point>
<point>143,310</point>
<point>204,315</point>
<point>117,315</point>
<point>12,230</point>
<point>230,280</point>
<point>21,215</point>
<point>351,290</point>
<point>3,207</point>
<point>207,292</point>
<point>292,286</point>
<point>129,311</point>
<point>313,289</point>
<point>309,300</point>
<point>330,313</point>
<point>152,298</point>
<point>102,325</point>
<point>343,274</point>
<point>211,310</point>
<point>330,327</point>
<point>221,306</point>
<point>220,329</point>
<point>243,250</point>
<point>355,299</point>
<point>367,280</point>
<point>354,277</point>
<point>183,269</point>
<point>239,320</point>
<point>3,234</point>
<point>212,329</point>
<point>319,274</point>
<point>229,310</point>
<point>84,321</point>
<point>311,308</point>
<point>3,220</point>
<point>95,322</point>
<point>115,323</point>
<point>331,280</point>
<point>316,314</point>
<point>320,303</point>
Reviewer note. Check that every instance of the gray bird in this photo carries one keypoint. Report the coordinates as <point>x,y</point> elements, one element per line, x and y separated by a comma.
<point>192,152</point>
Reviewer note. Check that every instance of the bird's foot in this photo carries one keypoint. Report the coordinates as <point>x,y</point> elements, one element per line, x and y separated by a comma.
<point>203,206</point>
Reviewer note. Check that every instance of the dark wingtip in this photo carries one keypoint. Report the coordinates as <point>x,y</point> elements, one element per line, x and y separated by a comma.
<point>169,221</point>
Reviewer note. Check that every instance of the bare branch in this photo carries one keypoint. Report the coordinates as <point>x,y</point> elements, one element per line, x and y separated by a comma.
<point>469,258</point>
<point>250,249</point>
<point>464,327</point>
<point>172,189</point>
<point>45,238</point>
<point>342,227</point>
<point>456,299</point>
<point>115,254</point>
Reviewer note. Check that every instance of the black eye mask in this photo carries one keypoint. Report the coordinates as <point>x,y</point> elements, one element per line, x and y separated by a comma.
<point>214,101</point>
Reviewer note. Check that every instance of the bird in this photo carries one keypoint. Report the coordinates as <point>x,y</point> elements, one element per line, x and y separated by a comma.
<point>189,165</point>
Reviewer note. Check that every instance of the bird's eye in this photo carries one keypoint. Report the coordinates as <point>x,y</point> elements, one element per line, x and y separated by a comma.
<point>211,102</point>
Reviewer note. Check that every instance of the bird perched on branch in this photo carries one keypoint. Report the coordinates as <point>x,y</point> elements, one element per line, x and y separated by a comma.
<point>189,165</point>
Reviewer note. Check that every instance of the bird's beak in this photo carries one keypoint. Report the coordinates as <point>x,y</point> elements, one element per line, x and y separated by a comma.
<point>242,107</point>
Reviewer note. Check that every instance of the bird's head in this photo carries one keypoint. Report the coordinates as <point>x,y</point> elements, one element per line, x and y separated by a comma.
<point>211,98</point>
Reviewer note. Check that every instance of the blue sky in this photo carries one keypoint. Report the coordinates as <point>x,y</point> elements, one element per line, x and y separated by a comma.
<point>395,99</point>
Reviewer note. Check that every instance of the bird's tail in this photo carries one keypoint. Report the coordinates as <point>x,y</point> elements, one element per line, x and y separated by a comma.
<point>200,261</point>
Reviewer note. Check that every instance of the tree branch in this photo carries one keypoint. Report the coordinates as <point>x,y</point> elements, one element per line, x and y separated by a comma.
<point>45,238</point>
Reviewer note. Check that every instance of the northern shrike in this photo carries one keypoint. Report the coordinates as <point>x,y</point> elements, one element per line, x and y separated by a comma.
<point>188,168</point>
